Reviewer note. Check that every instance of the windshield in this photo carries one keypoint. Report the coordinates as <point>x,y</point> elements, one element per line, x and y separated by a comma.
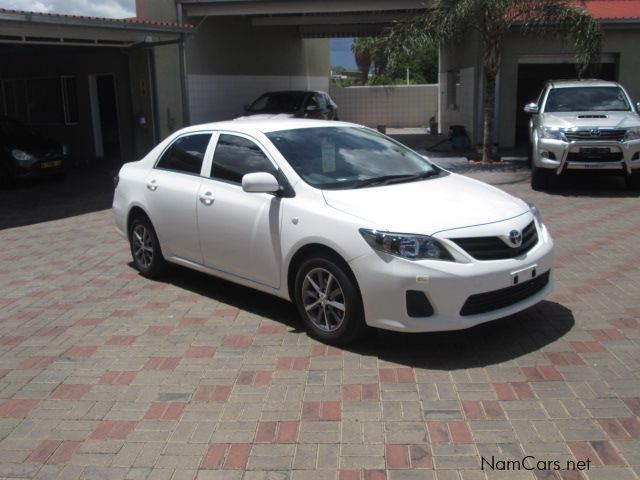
<point>584,99</point>
<point>12,128</point>
<point>278,102</point>
<point>333,158</point>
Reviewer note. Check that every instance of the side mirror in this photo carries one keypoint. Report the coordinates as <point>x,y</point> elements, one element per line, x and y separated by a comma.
<point>531,108</point>
<point>311,108</point>
<point>260,182</point>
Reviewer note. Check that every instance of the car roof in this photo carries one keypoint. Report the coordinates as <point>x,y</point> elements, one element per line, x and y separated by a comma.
<point>591,82</point>
<point>249,126</point>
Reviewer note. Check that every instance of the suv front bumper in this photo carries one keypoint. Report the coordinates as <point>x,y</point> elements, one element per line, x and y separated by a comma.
<point>560,155</point>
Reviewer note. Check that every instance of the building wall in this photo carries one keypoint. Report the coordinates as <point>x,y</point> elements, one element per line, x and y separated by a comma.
<point>394,106</point>
<point>462,59</point>
<point>230,63</point>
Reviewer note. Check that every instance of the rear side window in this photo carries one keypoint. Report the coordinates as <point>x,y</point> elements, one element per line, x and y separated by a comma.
<point>236,156</point>
<point>186,154</point>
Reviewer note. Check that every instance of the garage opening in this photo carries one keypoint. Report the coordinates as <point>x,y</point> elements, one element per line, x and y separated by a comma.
<point>534,71</point>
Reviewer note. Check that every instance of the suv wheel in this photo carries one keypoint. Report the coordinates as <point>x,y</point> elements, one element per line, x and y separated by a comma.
<point>633,181</point>
<point>328,301</point>
<point>145,248</point>
<point>540,178</point>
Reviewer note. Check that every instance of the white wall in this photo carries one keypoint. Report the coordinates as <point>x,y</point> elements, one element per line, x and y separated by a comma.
<point>394,106</point>
<point>222,97</point>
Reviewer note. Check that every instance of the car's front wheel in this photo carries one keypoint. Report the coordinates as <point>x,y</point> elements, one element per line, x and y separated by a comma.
<point>328,300</point>
<point>145,248</point>
<point>633,181</point>
<point>540,177</point>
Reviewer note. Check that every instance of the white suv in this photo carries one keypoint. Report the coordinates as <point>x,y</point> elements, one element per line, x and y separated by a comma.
<point>583,124</point>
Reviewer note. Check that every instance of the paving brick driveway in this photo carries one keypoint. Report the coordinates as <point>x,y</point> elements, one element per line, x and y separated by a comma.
<point>104,374</point>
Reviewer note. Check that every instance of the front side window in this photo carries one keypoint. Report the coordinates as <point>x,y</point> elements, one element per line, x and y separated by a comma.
<point>186,154</point>
<point>586,99</point>
<point>349,157</point>
<point>278,102</point>
<point>236,156</point>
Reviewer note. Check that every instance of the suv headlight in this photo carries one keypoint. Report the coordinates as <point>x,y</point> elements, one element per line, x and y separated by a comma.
<point>632,134</point>
<point>21,156</point>
<point>412,247</point>
<point>552,133</point>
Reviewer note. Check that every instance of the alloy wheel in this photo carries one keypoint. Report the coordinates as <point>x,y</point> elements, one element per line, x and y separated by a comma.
<point>323,299</point>
<point>142,246</point>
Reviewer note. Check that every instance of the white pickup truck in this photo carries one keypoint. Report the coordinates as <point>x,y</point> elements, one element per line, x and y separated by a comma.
<point>584,124</point>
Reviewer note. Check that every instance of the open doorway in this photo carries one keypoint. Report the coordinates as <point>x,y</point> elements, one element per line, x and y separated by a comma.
<point>104,113</point>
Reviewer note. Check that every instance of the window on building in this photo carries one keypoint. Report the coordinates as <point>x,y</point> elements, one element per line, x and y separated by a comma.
<point>186,154</point>
<point>236,156</point>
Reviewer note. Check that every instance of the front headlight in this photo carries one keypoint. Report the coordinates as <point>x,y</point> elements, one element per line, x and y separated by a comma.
<point>21,156</point>
<point>632,134</point>
<point>551,133</point>
<point>535,212</point>
<point>412,247</point>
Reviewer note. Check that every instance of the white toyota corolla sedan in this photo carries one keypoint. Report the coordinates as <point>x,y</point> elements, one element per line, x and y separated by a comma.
<point>352,227</point>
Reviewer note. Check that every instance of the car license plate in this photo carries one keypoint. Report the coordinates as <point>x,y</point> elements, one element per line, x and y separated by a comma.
<point>522,275</point>
<point>594,150</point>
<point>51,164</point>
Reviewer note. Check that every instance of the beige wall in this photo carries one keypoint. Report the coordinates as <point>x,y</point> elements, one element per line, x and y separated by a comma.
<point>394,106</point>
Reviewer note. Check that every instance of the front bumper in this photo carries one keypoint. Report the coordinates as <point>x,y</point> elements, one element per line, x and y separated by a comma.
<point>42,167</point>
<point>384,280</point>
<point>560,155</point>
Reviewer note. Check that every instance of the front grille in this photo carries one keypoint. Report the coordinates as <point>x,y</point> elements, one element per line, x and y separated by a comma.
<point>609,135</point>
<point>494,248</point>
<point>505,297</point>
<point>594,157</point>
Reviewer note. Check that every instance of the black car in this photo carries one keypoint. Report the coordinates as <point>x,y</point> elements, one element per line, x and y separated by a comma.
<point>294,103</point>
<point>25,153</point>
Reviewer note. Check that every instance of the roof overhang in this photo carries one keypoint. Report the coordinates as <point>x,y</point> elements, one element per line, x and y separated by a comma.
<point>64,30</point>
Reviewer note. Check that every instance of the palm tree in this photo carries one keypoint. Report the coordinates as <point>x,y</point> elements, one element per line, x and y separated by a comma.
<point>362,49</point>
<point>492,20</point>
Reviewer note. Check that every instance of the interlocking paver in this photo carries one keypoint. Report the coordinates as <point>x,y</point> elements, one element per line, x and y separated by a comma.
<point>104,374</point>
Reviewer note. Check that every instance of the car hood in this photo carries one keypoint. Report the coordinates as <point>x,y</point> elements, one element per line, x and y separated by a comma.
<point>266,116</point>
<point>580,119</point>
<point>429,206</point>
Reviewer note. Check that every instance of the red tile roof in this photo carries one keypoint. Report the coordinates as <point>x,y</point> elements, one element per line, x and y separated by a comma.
<point>115,21</point>
<point>614,9</point>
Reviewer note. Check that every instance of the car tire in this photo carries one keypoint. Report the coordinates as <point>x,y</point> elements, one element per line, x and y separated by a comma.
<point>145,248</point>
<point>530,156</point>
<point>338,316</point>
<point>539,178</point>
<point>632,181</point>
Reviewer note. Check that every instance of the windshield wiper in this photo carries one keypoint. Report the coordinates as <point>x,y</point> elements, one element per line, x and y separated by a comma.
<point>389,179</point>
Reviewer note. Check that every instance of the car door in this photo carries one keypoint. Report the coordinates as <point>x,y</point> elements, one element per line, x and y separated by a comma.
<point>171,195</point>
<point>240,231</point>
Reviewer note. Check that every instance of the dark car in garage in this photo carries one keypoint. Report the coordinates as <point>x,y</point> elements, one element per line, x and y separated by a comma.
<point>24,153</point>
<point>293,104</point>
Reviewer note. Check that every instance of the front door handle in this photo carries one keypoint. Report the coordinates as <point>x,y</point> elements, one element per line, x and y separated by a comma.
<point>207,199</point>
<point>153,185</point>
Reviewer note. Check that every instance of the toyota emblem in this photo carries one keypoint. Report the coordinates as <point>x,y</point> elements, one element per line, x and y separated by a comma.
<point>515,237</point>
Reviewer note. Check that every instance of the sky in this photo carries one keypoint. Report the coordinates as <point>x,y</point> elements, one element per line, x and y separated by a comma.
<point>341,54</point>
<point>92,8</point>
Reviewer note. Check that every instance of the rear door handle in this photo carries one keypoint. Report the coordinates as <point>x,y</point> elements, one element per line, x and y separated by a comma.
<point>207,199</point>
<point>153,185</point>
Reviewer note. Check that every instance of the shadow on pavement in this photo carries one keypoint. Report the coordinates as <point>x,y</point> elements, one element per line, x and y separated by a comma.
<point>83,190</point>
<point>488,344</point>
<point>591,184</point>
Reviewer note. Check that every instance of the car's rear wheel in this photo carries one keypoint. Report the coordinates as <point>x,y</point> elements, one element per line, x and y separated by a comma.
<point>145,248</point>
<point>540,178</point>
<point>633,181</point>
<point>328,300</point>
